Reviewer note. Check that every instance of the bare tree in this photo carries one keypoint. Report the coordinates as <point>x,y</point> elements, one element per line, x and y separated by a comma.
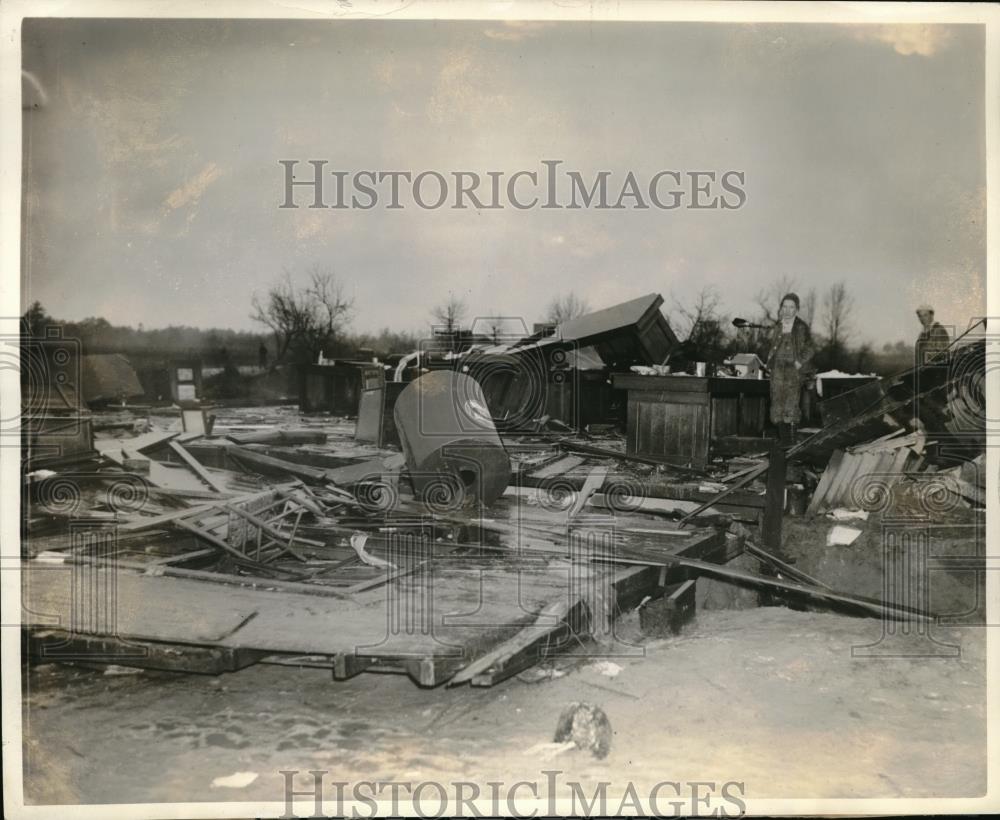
<point>304,320</point>
<point>495,326</point>
<point>808,309</point>
<point>837,307</point>
<point>449,314</point>
<point>686,320</point>
<point>565,307</point>
<point>769,299</point>
<point>702,325</point>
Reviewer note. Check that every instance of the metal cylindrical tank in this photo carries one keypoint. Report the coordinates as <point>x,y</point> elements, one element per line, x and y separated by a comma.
<point>452,449</point>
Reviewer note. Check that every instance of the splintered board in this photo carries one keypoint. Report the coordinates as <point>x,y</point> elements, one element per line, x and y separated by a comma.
<point>429,624</point>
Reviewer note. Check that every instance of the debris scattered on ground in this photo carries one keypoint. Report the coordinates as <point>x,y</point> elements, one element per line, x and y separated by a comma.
<point>454,500</point>
<point>841,536</point>
<point>587,727</point>
<point>606,668</point>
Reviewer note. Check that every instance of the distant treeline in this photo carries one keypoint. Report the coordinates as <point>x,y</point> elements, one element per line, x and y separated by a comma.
<point>214,346</point>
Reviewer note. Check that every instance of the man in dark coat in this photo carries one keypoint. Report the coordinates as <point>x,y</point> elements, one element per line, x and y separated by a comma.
<point>933,339</point>
<point>789,361</point>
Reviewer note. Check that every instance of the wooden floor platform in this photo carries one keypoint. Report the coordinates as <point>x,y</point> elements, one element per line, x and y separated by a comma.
<point>475,619</point>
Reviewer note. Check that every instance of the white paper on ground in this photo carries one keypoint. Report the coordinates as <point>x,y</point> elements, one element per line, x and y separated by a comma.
<point>841,536</point>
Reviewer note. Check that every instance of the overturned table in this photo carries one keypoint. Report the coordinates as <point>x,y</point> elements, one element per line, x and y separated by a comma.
<point>687,419</point>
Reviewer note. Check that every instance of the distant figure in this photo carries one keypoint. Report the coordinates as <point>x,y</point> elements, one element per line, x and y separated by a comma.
<point>262,356</point>
<point>790,363</point>
<point>933,339</point>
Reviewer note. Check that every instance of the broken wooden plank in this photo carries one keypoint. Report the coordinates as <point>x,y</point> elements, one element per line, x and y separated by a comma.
<point>196,466</point>
<point>521,651</point>
<point>54,645</point>
<point>774,511</point>
<point>270,465</point>
<point>219,542</point>
<point>245,581</point>
<point>871,606</point>
<point>141,443</point>
<point>279,437</point>
<point>558,467</point>
<point>183,557</point>
<point>588,449</point>
<point>347,665</point>
<point>157,521</point>
<point>781,566</point>
<point>594,481</point>
<point>759,470</point>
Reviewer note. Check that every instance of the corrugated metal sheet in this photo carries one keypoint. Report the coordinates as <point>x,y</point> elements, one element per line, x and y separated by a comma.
<point>860,480</point>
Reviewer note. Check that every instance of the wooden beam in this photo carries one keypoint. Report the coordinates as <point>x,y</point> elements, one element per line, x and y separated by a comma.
<point>347,666</point>
<point>588,449</point>
<point>759,470</point>
<point>157,521</point>
<point>869,605</point>
<point>520,651</point>
<point>774,509</point>
<point>590,486</point>
<point>272,464</point>
<point>781,566</point>
<point>102,650</point>
<point>214,539</point>
<point>195,465</point>
<point>248,581</point>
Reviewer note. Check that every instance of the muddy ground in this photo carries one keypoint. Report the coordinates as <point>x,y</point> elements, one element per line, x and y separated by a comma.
<point>770,697</point>
<point>789,702</point>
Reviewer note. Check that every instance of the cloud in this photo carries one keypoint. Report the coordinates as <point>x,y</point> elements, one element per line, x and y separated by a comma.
<point>191,191</point>
<point>587,244</point>
<point>466,91</point>
<point>908,39</point>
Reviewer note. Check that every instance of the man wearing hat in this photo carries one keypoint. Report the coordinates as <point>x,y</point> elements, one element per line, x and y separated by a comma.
<point>933,339</point>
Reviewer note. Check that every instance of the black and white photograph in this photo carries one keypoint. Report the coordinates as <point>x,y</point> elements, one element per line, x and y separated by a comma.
<point>511,409</point>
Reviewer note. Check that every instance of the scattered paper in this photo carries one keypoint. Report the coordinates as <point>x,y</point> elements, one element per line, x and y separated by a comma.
<point>607,668</point>
<point>841,536</point>
<point>237,780</point>
<point>358,541</point>
<point>840,514</point>
<point>115,669</point>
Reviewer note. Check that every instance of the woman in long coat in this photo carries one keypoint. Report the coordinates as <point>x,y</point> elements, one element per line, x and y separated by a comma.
<point>790,363</point>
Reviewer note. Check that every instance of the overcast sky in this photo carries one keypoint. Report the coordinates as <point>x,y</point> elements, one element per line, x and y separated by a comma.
<point>154,183</point>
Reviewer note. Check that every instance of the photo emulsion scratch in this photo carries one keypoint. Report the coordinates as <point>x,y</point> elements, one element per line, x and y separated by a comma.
<point>460,411</point>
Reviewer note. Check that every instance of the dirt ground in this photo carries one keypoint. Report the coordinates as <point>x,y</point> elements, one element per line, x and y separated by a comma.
<point>790,703</point>
<point>769,696</point>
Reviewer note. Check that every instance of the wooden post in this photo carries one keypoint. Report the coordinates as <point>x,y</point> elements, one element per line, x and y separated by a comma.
<point>774,506</point>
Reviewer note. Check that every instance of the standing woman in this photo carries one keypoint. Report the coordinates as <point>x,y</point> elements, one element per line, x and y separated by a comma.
<point>790,363</point>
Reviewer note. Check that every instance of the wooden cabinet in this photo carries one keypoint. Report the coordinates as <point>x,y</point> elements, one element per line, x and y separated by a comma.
<point>684,419</point>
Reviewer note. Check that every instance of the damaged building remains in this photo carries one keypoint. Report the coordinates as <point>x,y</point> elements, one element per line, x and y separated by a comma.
<point>499,505</point>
